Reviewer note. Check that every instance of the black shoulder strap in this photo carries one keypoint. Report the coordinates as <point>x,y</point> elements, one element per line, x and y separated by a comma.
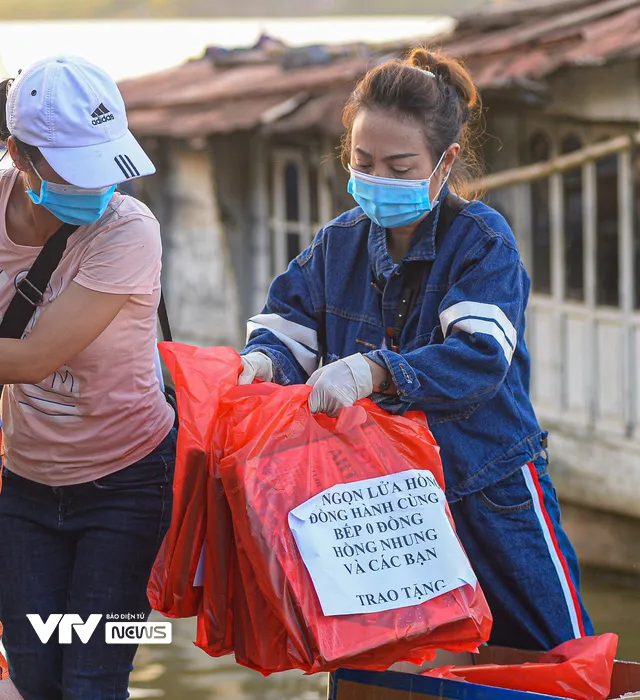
<point>415,271</point>
<point>163,316</point>
<point>31,289</point>
<point>169,391</point>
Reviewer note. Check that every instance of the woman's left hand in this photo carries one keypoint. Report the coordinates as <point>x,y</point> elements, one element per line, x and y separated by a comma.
<point>340,384</point>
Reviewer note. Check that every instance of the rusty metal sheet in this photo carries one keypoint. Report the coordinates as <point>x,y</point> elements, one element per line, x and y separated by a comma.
<point>190,121</point>
<point>153,90</point>
<point>322,113</point>
<point>581,33</point>
<point>607,39</point>
<point>200,82</point>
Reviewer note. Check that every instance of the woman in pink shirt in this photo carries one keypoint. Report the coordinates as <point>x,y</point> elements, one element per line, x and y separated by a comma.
<point>89,443</point>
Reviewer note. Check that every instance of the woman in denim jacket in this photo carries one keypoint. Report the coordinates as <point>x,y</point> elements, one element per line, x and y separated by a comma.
<point>460,355</point>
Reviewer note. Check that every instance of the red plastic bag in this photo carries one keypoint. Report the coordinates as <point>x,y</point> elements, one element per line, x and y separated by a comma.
<point>277,455</point>
<point>215,616</point>
<point>580,669</point>
<point>252,615</point>
<point>233,611</point>
<point>200,376</point>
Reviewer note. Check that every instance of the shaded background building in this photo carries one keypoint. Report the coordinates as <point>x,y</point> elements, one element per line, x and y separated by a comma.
<point>245,142</point>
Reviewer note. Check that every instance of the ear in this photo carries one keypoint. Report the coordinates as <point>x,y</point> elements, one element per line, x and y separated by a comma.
<point>450,157</point>
<point>16,156</point>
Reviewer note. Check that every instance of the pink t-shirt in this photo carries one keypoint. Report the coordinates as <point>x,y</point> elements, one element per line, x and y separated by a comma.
<point>104,409</point>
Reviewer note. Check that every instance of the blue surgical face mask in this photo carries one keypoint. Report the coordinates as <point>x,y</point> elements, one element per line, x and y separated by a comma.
<point>70,204</point>
<point>392,202</point>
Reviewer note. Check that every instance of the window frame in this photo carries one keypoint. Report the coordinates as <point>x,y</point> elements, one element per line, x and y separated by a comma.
<point>305,157</point>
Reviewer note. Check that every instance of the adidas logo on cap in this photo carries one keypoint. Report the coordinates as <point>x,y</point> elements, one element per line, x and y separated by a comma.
<point>101,115</point>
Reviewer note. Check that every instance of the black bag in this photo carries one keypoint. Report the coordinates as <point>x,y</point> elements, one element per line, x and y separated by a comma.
<point>414,271</point>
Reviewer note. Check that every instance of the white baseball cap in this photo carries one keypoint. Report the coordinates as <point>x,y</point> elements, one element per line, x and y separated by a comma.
<point>74,113</point>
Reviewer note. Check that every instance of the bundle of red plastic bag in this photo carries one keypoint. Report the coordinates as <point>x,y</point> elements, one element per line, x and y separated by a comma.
<point>200,375</point>
<point>215,629</point>
<point>277,455</point>
<point>266,455</point>
<point>187,558</point>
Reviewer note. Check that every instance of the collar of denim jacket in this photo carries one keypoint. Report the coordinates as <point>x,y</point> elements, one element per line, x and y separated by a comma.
<point>423,244</point>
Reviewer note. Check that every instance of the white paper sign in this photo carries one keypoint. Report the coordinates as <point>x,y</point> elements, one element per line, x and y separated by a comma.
<point>380,544</point>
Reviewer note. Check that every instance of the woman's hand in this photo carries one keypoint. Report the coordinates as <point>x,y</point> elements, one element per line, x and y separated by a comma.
<point>341,384</point>
<point>256,365</point>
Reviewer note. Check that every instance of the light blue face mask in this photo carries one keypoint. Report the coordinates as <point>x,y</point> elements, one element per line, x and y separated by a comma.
<point>392,202</point>
<point>70,204</point>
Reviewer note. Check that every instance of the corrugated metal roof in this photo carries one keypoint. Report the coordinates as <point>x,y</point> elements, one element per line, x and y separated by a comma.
<point>200,95</point>
<point>201,82</point>
<point>190,121</point>
<point>506,46</point>
<point>576,34</point>
<point>322,112</point>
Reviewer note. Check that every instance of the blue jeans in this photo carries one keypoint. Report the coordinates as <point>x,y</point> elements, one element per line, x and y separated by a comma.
<point>82,549</point>
<point>526,566</point>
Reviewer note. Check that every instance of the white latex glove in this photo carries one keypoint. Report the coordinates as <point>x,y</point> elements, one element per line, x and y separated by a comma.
<point>340,384</point>
<point>256,365</point>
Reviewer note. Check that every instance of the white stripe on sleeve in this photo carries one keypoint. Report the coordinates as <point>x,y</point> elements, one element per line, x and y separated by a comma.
<point>295,331</point>
<point>476,317</point>
<point>477,325</point>
<point>294,336</point>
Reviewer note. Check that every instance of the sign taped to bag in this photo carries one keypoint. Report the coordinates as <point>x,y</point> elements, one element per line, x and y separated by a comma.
<point>380,544</point>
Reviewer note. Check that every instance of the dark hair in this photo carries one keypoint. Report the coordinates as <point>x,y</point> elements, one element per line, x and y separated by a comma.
<point>445,104</point>
<point>30,152</point>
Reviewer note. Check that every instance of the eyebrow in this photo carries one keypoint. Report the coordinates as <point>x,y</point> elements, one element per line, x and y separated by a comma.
<point>396,156</point>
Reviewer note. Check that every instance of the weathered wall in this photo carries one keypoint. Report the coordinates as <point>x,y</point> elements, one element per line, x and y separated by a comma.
<point>603,540</point>
<point>233,165</point>
<point>595,472</point>
<point>597,93</point>
<point>200,283</point>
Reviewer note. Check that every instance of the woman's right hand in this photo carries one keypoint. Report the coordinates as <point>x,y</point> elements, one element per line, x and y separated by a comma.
<point>255,365</point>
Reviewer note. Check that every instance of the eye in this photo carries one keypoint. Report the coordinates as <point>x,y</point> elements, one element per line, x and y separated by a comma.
<point>400,171</point>
<point>362,166</point>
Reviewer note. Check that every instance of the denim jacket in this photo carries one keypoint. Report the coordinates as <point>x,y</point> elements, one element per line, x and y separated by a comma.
<point>462,357</point>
